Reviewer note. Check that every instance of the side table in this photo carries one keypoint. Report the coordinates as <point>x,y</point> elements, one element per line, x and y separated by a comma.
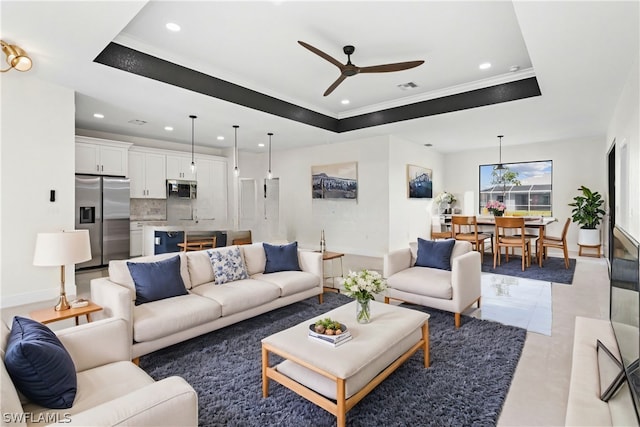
<point>597,247</point>
<point>332,256</point>
<point>48,315</point>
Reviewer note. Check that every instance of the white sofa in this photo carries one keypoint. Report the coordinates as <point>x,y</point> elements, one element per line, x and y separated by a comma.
<point>207,306</point>
<point>453,291</point>
<point>110,389</point>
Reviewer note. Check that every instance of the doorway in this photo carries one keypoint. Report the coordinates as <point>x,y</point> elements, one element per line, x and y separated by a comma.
<point>611,183</point>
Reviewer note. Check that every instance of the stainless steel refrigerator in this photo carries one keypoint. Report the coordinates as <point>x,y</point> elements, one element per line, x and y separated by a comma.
<point>102,207</point>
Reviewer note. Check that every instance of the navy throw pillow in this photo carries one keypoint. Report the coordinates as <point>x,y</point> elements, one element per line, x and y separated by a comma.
<point>39,365</point>
<point>435,254</point>
<point>157,280</point>
<point>281,257</point>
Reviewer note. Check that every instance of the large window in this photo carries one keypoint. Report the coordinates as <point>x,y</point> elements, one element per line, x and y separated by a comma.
<point>525,188</point>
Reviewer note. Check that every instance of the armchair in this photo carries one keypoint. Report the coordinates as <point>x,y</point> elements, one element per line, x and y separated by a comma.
<point>452,291</point>
<point>111,389</point>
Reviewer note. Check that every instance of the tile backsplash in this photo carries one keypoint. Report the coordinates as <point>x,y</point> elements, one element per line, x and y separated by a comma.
<point>148,209</point>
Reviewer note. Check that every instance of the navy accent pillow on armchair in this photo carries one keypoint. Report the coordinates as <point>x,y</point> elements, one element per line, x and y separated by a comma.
<point>39,365</point>
<point>157,280</point>
<point>435,254</point>
<point>281,257</point>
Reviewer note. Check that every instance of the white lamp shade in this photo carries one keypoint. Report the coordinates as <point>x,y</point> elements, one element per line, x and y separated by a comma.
<point>62,248</point>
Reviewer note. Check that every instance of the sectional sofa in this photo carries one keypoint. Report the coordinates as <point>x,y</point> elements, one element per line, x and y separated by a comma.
<point>209,300</point>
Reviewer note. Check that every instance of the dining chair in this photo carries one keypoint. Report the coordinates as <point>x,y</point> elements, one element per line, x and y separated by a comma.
<point>555,242</point>
<point>506,228</point>
<point>466,228</point>
<point>197,244</point>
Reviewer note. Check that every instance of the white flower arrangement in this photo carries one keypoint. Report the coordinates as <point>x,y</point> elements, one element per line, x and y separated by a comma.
<point>362,285</point>
<point>445,198</point>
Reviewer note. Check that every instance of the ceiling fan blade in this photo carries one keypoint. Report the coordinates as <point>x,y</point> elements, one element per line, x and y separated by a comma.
<point>322,54</point>
<point>334,85</point>
<point>398,66</point>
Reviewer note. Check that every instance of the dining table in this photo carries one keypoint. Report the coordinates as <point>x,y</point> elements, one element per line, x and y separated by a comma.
<point>530,222</point>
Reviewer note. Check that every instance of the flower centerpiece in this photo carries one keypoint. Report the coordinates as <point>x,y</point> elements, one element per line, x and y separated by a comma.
<point>495,207</point>
<point>445,198</point>
<point>362,286</point>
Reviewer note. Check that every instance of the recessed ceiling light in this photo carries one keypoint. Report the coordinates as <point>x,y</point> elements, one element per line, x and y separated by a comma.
<point>485,65</point>
<point>428,145</point>
<point>261,144</point>
<point>168,128</point>
<point>98,116</point>
<point>220,138</point>
<point>137,122</point>
<point>344,102</point>
<point>514,68</point>
<point>172,26</point>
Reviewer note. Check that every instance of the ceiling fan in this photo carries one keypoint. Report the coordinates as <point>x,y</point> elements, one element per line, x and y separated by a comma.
<point>349,69</point>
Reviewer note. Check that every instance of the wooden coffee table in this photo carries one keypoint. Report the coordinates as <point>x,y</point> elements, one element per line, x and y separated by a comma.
<point>337,378</point>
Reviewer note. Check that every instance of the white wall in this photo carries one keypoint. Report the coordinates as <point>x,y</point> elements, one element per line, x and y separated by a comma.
<point>38,155</point>
<point>576,162</point>
<point>410,218</point>
<point>355,227</point>
<point>624,128</point>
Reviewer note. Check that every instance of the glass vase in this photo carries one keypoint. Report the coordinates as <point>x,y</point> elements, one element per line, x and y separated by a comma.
<point>363,310</point>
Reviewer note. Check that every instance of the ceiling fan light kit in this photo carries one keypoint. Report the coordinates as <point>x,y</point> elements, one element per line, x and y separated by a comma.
<point>349,69</point>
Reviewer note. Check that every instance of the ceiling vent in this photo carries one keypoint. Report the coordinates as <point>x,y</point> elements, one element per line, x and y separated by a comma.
<point>408,86</point>
<point>137,122</point>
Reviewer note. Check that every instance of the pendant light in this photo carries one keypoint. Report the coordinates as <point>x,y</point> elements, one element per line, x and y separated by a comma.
<point>500,166</point>
<point>236,171</point>
<point>269,176</point>
<point>193,162</point>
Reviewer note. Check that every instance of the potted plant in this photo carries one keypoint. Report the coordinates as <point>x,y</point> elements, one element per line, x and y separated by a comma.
<point>587,213</point>
<point>446,199</point>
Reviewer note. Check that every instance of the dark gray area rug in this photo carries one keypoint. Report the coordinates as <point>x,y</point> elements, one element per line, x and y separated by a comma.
<point>466,384</point>
<point>552,269</point>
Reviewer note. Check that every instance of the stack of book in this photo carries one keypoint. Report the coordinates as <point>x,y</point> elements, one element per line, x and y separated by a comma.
<point>333,340</point>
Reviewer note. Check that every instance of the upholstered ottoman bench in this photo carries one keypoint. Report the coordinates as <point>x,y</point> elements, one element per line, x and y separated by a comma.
<point>336,378</point>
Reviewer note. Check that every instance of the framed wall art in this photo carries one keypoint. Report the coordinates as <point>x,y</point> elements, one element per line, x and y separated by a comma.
<point>419,182</point>
<point>336,181</point>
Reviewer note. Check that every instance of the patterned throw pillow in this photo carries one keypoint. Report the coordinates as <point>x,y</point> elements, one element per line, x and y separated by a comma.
<point>227,265</point>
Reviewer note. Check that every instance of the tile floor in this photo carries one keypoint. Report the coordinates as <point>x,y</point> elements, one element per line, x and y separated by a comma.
<point>540,387</point>
<point>516,301</point>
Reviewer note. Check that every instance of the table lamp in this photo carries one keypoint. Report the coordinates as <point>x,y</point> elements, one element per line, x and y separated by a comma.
<point>62,248</point>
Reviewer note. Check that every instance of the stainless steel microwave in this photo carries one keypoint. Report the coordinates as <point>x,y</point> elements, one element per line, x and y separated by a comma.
<point>181,189</point>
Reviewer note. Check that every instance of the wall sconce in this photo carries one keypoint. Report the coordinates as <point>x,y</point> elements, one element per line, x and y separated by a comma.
<point>16,57</point>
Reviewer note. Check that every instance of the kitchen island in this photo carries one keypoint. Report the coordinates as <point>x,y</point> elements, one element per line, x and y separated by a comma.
<point>163,239</point>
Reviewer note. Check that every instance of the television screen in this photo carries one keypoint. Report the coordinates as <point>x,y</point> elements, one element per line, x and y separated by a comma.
<point>625,306</point>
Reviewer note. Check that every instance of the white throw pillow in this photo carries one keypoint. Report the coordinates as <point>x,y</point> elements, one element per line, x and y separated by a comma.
<point>227,264</point>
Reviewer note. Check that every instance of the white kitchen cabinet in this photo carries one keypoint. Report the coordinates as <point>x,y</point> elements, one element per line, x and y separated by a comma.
<point>179,167</point>
<point>147,175</point>
<point>211,202</point>
<point>102,157</point>
<point>135,243</point>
